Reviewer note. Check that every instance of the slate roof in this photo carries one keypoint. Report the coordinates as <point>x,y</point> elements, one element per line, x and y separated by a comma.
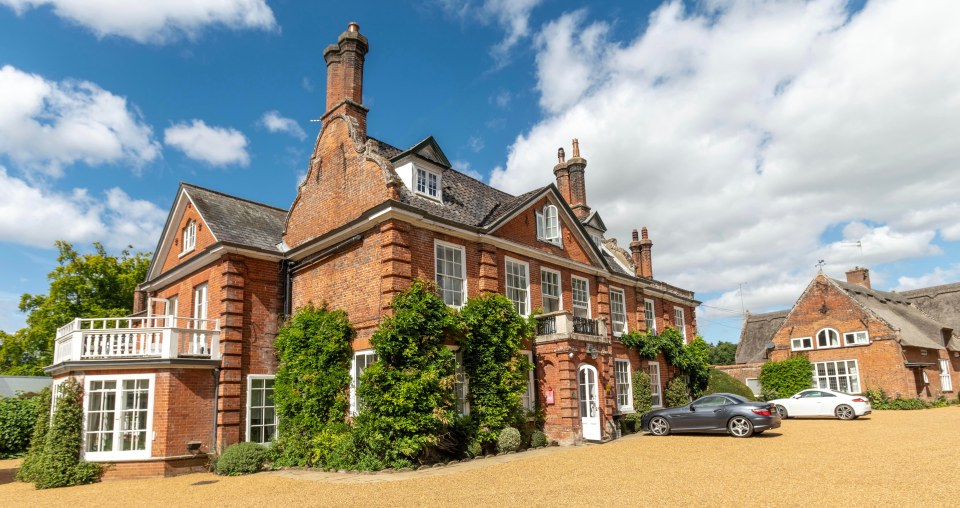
<point>942,303</point>
<point>757,331</point>
<point>386,149</point>
<point>239,221</point>
<point>11,385</point>
<point>916,328</point>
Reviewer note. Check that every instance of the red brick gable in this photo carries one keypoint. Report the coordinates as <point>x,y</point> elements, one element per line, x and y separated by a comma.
<point>522,229</point>
<point>347,177</point>
<point>172,248</point>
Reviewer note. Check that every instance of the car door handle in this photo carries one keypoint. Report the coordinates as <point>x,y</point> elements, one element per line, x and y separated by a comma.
<point>717,410</point>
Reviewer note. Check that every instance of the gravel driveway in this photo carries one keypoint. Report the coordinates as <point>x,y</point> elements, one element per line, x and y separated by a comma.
<point>892,458</point>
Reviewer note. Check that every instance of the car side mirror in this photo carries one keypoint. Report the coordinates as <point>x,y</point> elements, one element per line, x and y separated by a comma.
<point>797,396</point>
<point>692,408</point>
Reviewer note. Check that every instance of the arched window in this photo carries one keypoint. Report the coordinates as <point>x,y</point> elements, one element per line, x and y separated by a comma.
<point>548,225</point>
<point>828,337</point>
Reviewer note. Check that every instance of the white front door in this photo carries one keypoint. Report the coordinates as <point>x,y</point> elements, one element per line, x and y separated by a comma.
<point>589,403</point>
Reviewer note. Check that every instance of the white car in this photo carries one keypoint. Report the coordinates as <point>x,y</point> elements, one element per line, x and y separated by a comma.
<point>821,402</point>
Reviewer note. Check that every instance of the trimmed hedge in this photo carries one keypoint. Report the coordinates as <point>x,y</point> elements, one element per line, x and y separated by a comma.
<point>538,439</point>
<point>677,394</point>
<point>786,377</point>
<point>18,415</point>
<point>509,440</point>
<point>721,382</point>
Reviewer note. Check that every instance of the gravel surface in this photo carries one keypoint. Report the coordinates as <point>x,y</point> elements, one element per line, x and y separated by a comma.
<point>891,458</point>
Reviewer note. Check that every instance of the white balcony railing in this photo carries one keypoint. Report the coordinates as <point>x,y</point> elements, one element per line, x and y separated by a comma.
<point>137,337</point>
<point>564,322</point>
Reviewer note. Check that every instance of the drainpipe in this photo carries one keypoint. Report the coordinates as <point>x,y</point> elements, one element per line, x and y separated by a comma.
<point>287,268</point>
<point>216,411</point>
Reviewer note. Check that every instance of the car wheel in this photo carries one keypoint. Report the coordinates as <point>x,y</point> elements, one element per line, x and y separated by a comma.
<point>782,411</point>
<point>845,412</point>
<point>739,426</point>
<point>659,426</point>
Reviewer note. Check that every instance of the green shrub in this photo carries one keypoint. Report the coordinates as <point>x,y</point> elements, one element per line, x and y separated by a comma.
<point>786,377</point>
<point>538,439</point>
<point>38,440</point>
<point>408,392</point>
<point>721,382</point>
<point>59,463</point>
<point>677,394</point>
<point>241,458</point>
<point>632,422</point>
<point>491,332</point>
<point>509,440</point>
<point>310,390</point>
<point>642,395</point>
<point>18,416</point>
<point>474,449</point>
<point>880,400</point>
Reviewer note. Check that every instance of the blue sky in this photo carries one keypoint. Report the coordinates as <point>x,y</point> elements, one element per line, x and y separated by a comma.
<point>752,137</point>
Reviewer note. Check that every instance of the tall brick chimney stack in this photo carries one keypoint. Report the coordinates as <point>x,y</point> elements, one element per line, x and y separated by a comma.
<point>345,76</point>
<point>646,255</point>
<point>635,251</point>
<point>578,186</point>
<point>859,276</point>
<point>562,174</point>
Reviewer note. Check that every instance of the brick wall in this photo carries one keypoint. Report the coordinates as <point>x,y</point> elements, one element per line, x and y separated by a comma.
<point>204,238</point>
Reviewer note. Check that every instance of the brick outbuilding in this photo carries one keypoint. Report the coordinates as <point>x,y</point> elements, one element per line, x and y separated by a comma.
<point>193,371</point>
<point>859,338</point>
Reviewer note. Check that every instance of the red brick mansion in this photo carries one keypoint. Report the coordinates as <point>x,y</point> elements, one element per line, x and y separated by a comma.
<point>192,371</point>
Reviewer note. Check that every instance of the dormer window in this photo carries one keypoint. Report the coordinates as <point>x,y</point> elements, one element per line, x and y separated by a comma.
<point>596,240</point>
<point>548,225</point>
<point>190,236</point>
<point>428,183</point>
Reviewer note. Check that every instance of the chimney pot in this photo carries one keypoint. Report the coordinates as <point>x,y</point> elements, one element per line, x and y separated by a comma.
<point>576,148</point>
<point>643,232</point>
<point>561,155</point>
<point>636,237</point>
<point>353,27</point>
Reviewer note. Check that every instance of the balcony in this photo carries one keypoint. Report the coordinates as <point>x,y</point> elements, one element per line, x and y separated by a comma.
<point>137,338</point>
<point>563,324</point>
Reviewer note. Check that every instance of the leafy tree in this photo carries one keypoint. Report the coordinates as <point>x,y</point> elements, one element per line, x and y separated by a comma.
<point>498,374</point>
<point>721,382</point>
<point>786,377</point>
<point>82,285</point>
<point>408,393</point>
<point>723,353</point>
<point>310,389</point>
<point>677,394</point>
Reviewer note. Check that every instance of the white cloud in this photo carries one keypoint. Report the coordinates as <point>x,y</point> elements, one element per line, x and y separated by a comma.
<point>274,122</point>
<point>464,167</point>
<point>47,125</point>
<point>743,133</point>
<point>37,216</point>
<point>511,16</point>
<point>937,277</point>
<point>475,143</point>
<point>217,146</point>
<point>155,22</point>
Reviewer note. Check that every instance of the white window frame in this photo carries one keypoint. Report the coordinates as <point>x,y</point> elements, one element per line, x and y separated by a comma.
<point>622,323</point>
<point>529,399</point>
<point>946,384</point>
<point>189,237</point>
<point>543,284</point>
<point>507,287</point>
<point>656,387</point>
<point>852,378</point>
<point>200,296</point>
<point>116,453</point>
<point>650,315</point>
<point>460,378</point>
<point>624,381</point>
<point>573,296</point>
<point>276,422</point>
<point>793,344</point>
<point>858,338</point>
<point>827,336</point>
<point>680,321</point>
<point>422,175</point>
<point>548,225</point>
<point>462,277</point>
<point>354,379</point>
